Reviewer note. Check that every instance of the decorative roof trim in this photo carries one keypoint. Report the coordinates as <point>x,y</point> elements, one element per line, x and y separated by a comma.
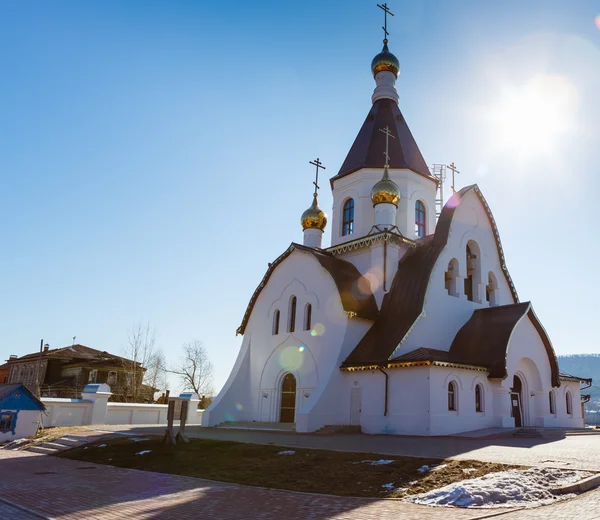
<point>409,364</point>
<point>369,312</point>
<point>369,240</point>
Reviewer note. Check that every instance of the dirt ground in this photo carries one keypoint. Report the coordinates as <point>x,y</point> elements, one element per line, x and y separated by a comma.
<point>316,471</point>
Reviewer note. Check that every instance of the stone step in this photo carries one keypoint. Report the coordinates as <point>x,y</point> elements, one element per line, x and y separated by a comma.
<point>41,449</point>
<point>54,445</point>
<point>530,433</point>
<point>70,443</point>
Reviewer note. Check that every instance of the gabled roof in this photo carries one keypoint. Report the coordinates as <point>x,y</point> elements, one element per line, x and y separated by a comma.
<point>484,339</point>
<point>369,146</point>
<point>74,353</point>
<point>354,289</point>
<point>403,305</point>
<point>7,392</point>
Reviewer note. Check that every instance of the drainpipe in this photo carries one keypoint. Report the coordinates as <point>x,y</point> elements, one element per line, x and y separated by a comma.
<point>385,406</point>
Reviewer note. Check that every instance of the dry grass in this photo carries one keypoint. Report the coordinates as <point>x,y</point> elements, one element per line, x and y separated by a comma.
<point>316,471</point>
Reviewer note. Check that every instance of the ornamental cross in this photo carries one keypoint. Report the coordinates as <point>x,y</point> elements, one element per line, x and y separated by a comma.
<point>318,164</point>
<point>388,134</point>
<point>386,11</point>
<point>454,171</point>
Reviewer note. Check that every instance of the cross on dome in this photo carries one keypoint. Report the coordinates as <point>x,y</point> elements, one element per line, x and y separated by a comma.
<point>386,11</point>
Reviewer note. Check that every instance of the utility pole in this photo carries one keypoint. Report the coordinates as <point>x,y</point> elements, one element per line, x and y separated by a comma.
<point>37,370</point>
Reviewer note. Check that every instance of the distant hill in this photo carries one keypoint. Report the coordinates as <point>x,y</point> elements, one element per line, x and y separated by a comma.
<point>583,365</point>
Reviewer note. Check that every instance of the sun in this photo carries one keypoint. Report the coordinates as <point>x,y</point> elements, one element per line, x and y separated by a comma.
<point>530,119</point>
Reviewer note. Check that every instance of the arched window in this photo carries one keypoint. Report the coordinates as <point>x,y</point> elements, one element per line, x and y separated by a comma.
<point>276,315</point>
<point>420,219</point>
<point>348,218</point>
<point>292,315</point>
<point>569,404</point>
<point>552,403</point>
<point>473,278</point>
<point>307,316</point>
<point>452,396</point>
<point>491,290</point>
<point>450,277</point>
<point>478,398</point>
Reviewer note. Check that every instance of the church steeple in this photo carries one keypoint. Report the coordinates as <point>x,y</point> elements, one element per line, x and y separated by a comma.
<point>314,220</point>
<point>385,66</point>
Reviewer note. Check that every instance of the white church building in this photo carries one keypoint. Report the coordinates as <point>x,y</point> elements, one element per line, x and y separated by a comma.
<point>407,323</point>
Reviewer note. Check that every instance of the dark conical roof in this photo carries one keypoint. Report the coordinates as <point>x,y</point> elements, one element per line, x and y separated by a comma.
<point>369,146</point>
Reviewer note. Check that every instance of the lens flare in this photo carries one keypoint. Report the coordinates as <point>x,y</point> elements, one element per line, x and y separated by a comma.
<point>598,21</point>
<point>239,407</point>
<point>317,330</point>
<point>301,348</point>
<point>291,358</point>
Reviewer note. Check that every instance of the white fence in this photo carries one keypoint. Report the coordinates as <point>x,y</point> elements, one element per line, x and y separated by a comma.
<point>94,408</point>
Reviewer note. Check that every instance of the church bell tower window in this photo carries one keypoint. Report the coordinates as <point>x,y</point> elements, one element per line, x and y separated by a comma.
<point>292,315</point>
<point>307,316</point>
<point>348,218</point>
<point>276,322</point>
<point>420,220</point>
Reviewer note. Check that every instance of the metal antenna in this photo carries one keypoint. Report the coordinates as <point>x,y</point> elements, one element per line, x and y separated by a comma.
<point>388,134</point>
<point>318,164</point>
<point>386,11</point>
<point>454,171</point>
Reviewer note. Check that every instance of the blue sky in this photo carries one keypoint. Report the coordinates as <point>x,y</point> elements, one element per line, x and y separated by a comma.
<point>155,154</point>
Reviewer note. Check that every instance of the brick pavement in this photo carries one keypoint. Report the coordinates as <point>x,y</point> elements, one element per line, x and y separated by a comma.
<point>61,489</point>
<point>72,490</point>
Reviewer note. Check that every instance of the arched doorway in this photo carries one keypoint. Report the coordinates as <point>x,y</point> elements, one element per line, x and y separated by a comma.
<point>516,399</point>
<point>288,399</point>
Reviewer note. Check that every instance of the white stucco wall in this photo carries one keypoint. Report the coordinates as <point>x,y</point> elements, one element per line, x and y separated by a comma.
<point>27,422</point>
<point>252,392</point>
<point>450,313</point>
<point>358,186</point>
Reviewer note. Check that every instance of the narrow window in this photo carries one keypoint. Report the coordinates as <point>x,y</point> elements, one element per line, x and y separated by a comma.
<point>569,404</point>
<point>420,227</point>
<point>93,375</point>
<point>478,398</point>
<point>292,315</point>
<point>307,316</point>
<point>348,218</point>
<point>276,322</point>
<point>112,378</point>
<point>7,422</point>
<point>452,396</point>
<point>552,407</point>
<point>470,270</point>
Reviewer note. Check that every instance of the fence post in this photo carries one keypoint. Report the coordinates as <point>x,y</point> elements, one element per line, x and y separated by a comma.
<point>98,394</point>
<point>193,400</point>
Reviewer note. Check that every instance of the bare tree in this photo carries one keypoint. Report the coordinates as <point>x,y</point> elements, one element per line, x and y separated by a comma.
<point>194,369</point>
<point>156,371</point>
<point>140,351</point>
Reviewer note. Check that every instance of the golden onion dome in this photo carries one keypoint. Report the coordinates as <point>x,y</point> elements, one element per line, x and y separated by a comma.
<point>386,191</point>
<point>385,60</point>
<point>314,217</point>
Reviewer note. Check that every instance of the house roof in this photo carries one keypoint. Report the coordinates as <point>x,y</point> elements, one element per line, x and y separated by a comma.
<point>7,393</point>
<point>403,304</point>
<point>484,339</point>
<point>368,148</point>
<point>354,289</point>
<point>77,353</point>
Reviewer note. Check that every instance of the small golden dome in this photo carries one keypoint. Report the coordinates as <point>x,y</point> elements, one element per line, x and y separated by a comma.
<point>385,60</point>
<point>386,191</point>
<point>314,217</point>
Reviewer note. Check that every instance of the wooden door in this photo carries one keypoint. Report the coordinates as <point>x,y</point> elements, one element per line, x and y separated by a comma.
<point>288,399</point>
<point>515,402</point>
<point>355,405</point>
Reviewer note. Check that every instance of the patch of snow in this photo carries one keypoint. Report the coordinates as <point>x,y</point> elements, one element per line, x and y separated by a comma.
<point>389,487</point>
<point>412,482</point>
<point>139,439</point>
<point>377,462</point>
<point>287,452</point>
<point>402,490</point>
<point>424,469</point>
<point>439,467</point>
<point>510,488</point>
<point>102,446</point>
<point>469,470</point>
<point>143,452</point>
<point>85,447</point>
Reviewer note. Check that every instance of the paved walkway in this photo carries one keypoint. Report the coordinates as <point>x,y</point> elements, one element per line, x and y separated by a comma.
<point>73,490</point>
<point>573,452</point>
<point>64,489</point>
